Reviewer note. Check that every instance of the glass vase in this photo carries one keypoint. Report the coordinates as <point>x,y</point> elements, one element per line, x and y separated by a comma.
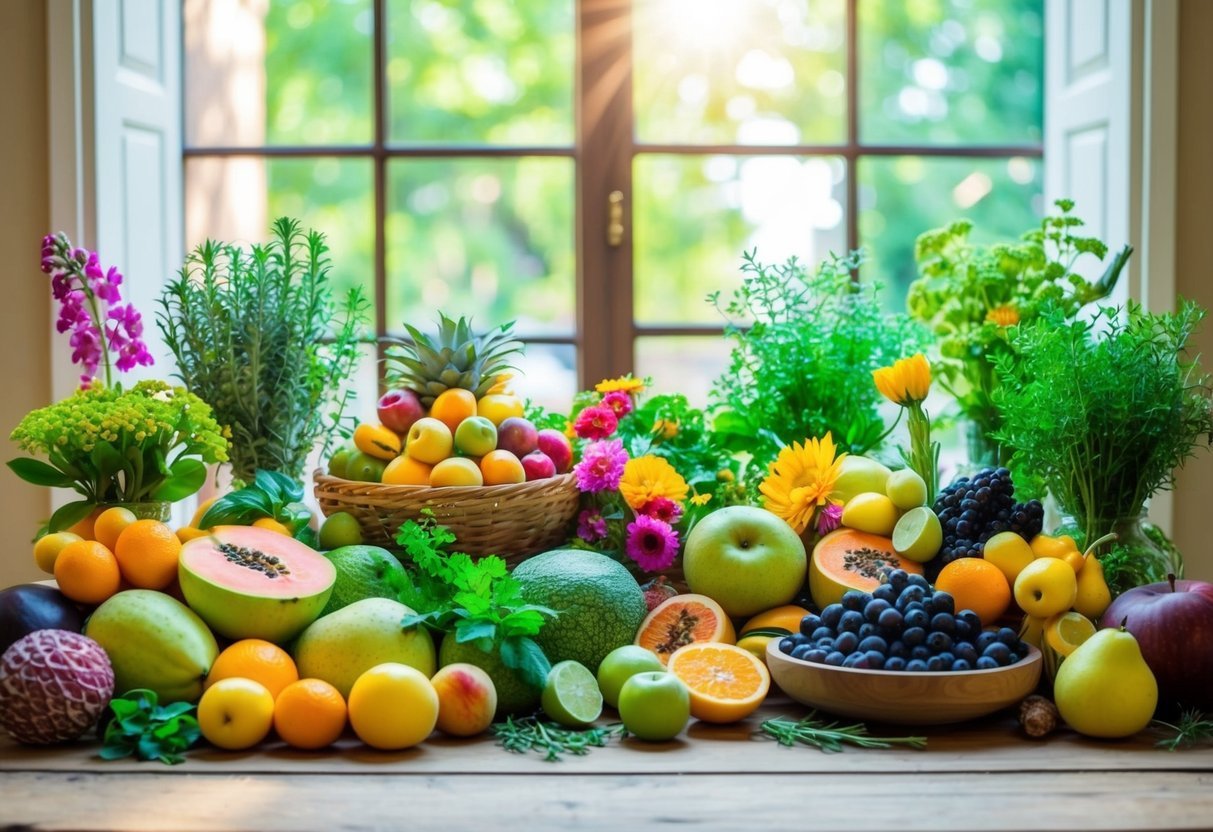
<point>1149,555</point>
<point>982,449</point>
<point>146,509</point>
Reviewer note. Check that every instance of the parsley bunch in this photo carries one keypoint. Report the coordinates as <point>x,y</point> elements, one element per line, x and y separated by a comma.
<point>471,600</point>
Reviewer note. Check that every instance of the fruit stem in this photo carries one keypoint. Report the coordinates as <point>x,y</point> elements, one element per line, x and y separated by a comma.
<point>1171,580</point>
<point>1124,624</point>
<point>1106,538</point>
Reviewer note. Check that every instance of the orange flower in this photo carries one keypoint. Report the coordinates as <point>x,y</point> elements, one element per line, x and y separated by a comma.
<point>908,380</point>
<point>1004,315</point>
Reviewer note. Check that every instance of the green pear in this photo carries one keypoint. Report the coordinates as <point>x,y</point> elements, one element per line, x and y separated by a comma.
<point>1105,688</point>
<point>859,474</point>
<point>1093,594</point>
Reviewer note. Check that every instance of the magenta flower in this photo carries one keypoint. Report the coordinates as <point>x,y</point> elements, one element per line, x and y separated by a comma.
<point>619,402</point>
<point>601,466</point>
<point>829,517</point>
<point>591,525</point>
<point>664,509</point>
<point>597,422</point>
<point>652,543</point>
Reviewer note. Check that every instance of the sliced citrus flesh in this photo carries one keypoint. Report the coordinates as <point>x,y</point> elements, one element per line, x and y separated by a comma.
<point>571,695</point>
<point>1065,631</point>
<point>727,683</point>
<point>682,620</point>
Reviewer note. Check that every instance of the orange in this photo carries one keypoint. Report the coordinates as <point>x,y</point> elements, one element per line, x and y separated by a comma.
<point>147,552</point>
<point>187,533</point>
<point>501,467</point>
<point>261,661</point>
<point>309,714</point>
<point>84,527</point>
<point>727,683</point>
<point>977,585</point>
<point>87,572</point>
<point>111,523</point>
<point>48,547</point>
<point>453,406</point>
<point>273,525</point>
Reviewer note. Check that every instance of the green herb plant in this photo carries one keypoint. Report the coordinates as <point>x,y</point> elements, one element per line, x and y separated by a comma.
<point>970,294</point>
<point>258,335</point>
<point>142,728</point>
<point>829,736</point>
<point>1194,728</point>
<point>470,600</point>
<point>270,494</point>
<point>1105,411</point>
<point>533,733</point>
<point>805,344</point>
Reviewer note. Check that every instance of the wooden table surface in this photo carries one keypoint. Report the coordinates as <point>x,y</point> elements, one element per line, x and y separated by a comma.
<point>982,775</point>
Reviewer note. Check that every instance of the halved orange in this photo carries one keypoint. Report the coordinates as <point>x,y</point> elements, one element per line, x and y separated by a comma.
<point>726,682</point>
<point>682,620</point>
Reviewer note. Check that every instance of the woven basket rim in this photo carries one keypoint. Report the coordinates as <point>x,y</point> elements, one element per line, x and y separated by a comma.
<point>445,491</point>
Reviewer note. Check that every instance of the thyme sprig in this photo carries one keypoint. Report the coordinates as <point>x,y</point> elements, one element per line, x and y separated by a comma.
<point>1193,728</point>
<point>532,733</point>
<point>830,736</point>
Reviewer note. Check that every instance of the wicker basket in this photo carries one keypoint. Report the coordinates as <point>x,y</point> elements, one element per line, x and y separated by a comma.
<point>514,521</point>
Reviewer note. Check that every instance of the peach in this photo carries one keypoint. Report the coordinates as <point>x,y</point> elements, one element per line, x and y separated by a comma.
<point>453,406</point>
<point>467,699</point>
<point>558,448</point>
<point>501,467</point>
<point>404,470</point>
<point>458,470</point>
<point>430,440</point>
<point>518,436</point>
<point>497,407</point>
<point>538,466</point>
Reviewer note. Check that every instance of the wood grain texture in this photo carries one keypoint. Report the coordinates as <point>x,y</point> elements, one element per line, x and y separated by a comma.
<point>904,698</point>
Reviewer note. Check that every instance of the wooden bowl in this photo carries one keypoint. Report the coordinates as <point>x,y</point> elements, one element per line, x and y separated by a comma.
<point>904,698</point>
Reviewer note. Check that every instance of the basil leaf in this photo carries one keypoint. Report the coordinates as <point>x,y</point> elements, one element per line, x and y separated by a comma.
<point>37,472</point>
<point>70,514</point>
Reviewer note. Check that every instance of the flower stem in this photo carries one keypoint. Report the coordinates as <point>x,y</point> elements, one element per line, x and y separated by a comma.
<point>924,454</point>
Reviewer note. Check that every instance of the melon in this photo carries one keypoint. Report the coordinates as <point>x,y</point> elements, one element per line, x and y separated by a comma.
<point>682,620</point>
<point>600,605</point>
<point>246,582</point>
<point>849,559</point>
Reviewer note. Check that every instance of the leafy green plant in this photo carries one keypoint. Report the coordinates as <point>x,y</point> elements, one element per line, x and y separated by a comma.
<point>270,494</point>
<point>142,728</point>
<point>258,336</point>
<point>1194,728</point>
<point>110,445</point>
<point>1105,410</point>
<point>969,294</point>
<point>805,344</point>
<point>533,733</point>
<point>471,600</point>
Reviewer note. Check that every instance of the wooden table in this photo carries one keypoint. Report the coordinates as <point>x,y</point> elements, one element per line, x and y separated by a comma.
<point>982,775</point>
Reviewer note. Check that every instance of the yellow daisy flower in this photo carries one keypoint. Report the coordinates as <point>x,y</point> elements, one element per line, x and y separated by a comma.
<point>627,384</point>
<point>648,477</point>
<point>700,499</point>
<point>1004,315</point>
<point>800,480</point>
<point>908,380</point>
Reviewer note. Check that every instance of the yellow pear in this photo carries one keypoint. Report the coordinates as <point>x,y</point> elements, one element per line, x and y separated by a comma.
<point>1105,688</point>
<point>1093,594</point>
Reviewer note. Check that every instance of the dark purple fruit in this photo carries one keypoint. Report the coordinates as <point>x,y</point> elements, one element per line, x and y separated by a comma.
<point>28,607</point>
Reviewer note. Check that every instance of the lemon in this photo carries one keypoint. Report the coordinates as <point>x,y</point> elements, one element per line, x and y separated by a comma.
<point>870,512</point>
<point>906,489</point>
<point>1065,631</point>
<point>918,535</point>
<point>1010,553</point>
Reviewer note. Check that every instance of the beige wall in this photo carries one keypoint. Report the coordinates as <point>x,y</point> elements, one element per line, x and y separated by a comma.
<point>24,213</point>
<point>1193,259</point>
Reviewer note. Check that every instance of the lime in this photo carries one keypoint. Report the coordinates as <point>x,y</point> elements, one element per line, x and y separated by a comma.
<point>340,529</point>
<point>571,695</point>
<point>918,535</point>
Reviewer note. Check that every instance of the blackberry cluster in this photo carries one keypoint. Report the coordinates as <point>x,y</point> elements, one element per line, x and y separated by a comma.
<point>974,509</point>
<point>902,625</point>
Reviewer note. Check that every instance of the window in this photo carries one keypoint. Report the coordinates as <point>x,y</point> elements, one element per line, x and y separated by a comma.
<point>471,156</point>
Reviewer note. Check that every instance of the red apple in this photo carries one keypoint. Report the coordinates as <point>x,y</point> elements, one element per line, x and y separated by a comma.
<point>398,409</point>
<point>538,466</point>
<point>557,446</point>
<point>1173,624</point>
<point>518,436</point>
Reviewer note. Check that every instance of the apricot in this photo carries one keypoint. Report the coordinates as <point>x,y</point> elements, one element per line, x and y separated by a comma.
<point>429,441</point>
<point>501,467</point>
<point>404,470</point>
<point>458,470</point>
<point>467,699</point>
<point>453,406</point>
<point>376,441</point>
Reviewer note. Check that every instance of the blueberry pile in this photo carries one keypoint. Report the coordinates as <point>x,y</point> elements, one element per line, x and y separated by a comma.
<point>974,509</point>
<point>902,625</point>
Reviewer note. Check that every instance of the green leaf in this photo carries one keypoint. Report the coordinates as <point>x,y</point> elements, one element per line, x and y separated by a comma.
<point>265,482</point>
<point>238,508</point>
<point>37,472</point>
<point>70,514</point>
<point>186,476</point>
<point>527,657</point>
<point>106,459</point>
<point>472,630</point>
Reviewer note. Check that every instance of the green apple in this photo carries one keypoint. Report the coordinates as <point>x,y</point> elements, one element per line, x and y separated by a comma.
<point>622,664</point>
<point>857,474</point>
<point>364,468</point>
<point>475,436</point>
<point>654,706</point>
<point>906,489</point>
<point>745,559</point>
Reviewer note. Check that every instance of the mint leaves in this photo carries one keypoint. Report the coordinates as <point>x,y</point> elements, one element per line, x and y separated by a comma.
<point>147,731</point>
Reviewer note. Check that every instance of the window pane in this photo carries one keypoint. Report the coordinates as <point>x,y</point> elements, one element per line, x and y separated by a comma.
<point>756,72</point>
<point>683,364</point>
<point>492,238</point>
<point>236,199</point>
<point>951,71</point>
<point>547,375</point>
<point>481,71</point>
<point>901,197</point>
<point>695,215</point>
<point>290,72</point>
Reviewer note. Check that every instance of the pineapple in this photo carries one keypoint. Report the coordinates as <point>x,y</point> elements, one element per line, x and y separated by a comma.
<point>458,358</point>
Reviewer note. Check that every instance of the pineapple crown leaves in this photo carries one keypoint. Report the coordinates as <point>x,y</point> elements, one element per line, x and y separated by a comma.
<point>455,357</point>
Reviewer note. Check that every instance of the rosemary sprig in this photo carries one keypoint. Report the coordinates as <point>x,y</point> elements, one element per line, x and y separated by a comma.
<point>1193,728</point>
<point>830,736</point>
<point>549,739</point>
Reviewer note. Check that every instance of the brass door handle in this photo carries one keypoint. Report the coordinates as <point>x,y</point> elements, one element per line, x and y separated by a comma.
<point>614,230</point>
